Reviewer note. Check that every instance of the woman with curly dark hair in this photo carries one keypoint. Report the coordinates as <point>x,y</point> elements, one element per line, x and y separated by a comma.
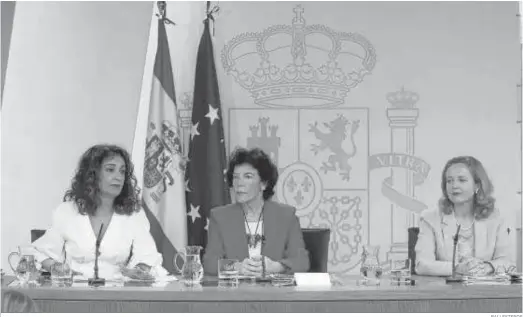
<point>104,202</point>
<point>483,240</point>
<point>262,234</point>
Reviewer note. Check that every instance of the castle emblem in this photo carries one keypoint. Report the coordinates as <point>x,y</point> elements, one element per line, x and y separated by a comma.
<point>264,136</point>
<point>332,140</point>
<point>283,74</point>
<point>162,159</point>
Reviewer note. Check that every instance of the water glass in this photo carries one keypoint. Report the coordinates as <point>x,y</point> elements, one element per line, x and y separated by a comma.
<point>228,269</point>
<point>228,284</point>
<point>371,269</point>
<point>62,273</point>
<point>400,272</point>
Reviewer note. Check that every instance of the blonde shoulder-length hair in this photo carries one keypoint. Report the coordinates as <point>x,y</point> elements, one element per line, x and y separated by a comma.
<point>484,203</point>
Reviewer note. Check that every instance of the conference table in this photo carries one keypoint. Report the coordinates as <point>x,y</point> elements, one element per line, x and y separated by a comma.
<point>429,294</point>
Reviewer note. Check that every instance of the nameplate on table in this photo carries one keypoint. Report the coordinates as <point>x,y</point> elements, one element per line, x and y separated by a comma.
<point>312,279</point>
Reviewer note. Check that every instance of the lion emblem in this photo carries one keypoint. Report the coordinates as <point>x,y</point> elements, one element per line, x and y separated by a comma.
<point>333,140</point>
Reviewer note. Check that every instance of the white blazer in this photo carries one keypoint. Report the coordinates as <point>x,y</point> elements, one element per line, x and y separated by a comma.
<point>73,229</point>
<point>435,246</point>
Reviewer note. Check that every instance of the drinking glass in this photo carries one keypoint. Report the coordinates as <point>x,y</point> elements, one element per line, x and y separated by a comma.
<point>371,269</point>
<point>62,273</point>
<point>400,272</point>
<point>228,269</point>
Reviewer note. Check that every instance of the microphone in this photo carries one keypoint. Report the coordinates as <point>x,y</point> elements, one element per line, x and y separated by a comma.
<point>454,278</point>
<point>96,280</point>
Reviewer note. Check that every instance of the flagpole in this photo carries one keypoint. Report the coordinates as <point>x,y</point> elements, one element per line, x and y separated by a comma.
<point>162,12</point>
<point>210,12</point>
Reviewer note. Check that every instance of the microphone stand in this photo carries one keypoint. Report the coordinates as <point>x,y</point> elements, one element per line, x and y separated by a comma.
<point>264,269</point>
<point>454,278</point>
<point>96,280</point>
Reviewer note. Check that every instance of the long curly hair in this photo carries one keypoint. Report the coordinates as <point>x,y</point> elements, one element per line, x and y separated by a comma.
<point>484,202</point>
<point>85,192</point>
<point>260,161</point>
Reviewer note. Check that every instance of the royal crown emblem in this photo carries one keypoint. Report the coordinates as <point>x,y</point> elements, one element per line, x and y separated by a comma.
<point>298,65</point>
<point>403,99</point>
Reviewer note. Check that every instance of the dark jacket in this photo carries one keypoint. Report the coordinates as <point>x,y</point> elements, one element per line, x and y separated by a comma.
<point>283,237</point>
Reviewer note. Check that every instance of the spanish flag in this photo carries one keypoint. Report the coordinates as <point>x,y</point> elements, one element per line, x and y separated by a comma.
<point>163,173</point>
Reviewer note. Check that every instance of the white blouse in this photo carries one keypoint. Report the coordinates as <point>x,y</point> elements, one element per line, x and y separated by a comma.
<point>73,229</point>
<point>465,247</point>
<point>254,228</point>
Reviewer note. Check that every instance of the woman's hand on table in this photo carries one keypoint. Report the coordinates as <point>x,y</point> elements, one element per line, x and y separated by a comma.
<point>254,266</point>
<point>47,264</point>
<point>482,269</point>
<point>250,266</point>
<point>140,272</point>
<point>51,265</point>
<point>474,267</point>
<point>144,267</point>
<point>467,265</point>
<point>273,266</point>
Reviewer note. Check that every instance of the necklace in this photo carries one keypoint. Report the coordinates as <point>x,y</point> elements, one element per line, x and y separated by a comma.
<point>459,224</point>
<point>463,227</point>
<point>465,243</point>
<point>252,239</point>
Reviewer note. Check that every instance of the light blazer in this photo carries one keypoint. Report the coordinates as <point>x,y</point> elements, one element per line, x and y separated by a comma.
<point>435,244</point>
<point>283,237</point>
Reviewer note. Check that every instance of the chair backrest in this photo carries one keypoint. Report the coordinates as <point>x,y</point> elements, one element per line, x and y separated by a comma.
<point>413,239</point>
<point>36,234</point>
<point>317,243</point>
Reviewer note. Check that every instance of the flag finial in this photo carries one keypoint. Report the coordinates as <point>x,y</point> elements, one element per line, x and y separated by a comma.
<point>210,12</point>
<point>162,12</point>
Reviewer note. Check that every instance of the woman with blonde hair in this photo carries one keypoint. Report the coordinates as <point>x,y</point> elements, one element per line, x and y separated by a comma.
<point>483,241</point>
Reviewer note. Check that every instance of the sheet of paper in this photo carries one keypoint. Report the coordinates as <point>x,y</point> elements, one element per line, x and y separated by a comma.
<point>312,279</point>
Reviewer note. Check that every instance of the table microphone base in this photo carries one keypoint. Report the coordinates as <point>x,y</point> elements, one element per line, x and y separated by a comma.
<point>454,279</point>
<point>96,281</point>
